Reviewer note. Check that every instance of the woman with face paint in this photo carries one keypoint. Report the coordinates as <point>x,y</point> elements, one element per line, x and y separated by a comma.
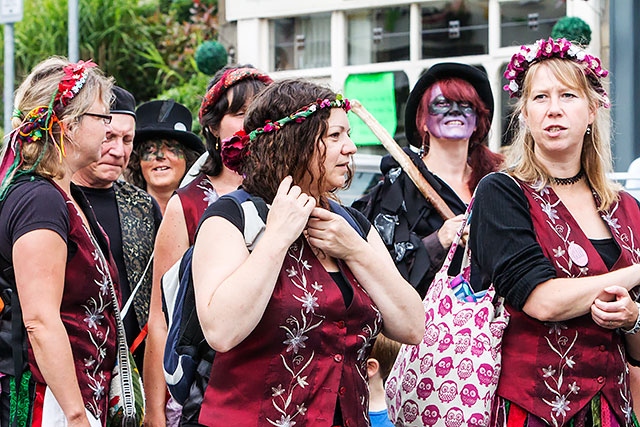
<point>447,119</point>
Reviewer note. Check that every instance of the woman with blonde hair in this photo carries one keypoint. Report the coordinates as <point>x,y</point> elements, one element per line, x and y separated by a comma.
<point>556,238</point>
<point>50,241</point>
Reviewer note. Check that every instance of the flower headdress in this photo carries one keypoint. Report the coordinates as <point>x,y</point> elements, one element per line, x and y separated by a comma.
<point>234,150</point>
<point>228,79</point>
<point>546,49</point>
<point>75,75</point>
<point>38,125</point>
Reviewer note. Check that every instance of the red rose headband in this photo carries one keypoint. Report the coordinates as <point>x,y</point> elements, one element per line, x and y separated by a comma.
<point>228,79</point>
<point>546,49</point>
<point>234,150</point>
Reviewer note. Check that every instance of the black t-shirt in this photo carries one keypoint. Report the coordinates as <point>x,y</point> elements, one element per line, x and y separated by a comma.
<point>31,206</point>
<point>228,209</point>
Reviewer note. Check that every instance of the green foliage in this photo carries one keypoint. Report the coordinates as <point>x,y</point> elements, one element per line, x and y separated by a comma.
<point>573,29</point>
<point>171,57</point>
<point>210,57</point>
<point>146,50</point>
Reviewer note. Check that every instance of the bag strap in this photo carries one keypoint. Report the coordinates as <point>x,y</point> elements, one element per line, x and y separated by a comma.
<point>125,308</point>
<point>456,240</point>
<point>124,367</point>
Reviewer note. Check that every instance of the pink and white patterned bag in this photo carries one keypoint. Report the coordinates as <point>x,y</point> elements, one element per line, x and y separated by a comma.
<point>450,378</point>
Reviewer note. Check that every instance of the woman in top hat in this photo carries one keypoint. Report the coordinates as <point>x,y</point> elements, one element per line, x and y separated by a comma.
<point>164,148</point>
<point>447,118</point>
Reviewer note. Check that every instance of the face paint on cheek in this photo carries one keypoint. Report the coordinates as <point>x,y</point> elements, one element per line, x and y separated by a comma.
<point>447,126</point>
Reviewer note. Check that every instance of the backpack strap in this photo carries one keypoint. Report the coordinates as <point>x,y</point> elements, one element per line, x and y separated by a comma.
<point>337,208</point>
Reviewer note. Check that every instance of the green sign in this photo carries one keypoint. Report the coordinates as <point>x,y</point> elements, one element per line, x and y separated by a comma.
<point>376,92</point>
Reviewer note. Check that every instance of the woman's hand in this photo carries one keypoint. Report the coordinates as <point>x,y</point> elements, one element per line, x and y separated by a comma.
<point>289,211</point>
<point>449,229</point>
<point>332,234</point>
<point>614,308</point>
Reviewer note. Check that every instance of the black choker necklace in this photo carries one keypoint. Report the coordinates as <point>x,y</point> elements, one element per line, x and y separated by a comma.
<point>568,181</point>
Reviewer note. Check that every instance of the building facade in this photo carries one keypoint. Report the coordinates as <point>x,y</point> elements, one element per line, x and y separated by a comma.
<point>375,50</point>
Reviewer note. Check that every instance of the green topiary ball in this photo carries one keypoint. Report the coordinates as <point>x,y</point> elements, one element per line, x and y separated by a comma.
<point>210,57</point>
<point>573,29</point>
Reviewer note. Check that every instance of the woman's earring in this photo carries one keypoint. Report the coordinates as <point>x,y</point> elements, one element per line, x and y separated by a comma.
<point>217,144</point>
<point>588,129</point>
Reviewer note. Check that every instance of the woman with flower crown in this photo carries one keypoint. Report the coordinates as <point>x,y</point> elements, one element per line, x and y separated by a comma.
<point>558,239</point>
<point>293,320</point>
<point>50,252</point>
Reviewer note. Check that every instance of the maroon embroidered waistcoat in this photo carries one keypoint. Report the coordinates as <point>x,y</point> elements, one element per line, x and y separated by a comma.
<point>87,314</point>
<point>195,198</point>
<point>307,350</point>
<point>554,369</point>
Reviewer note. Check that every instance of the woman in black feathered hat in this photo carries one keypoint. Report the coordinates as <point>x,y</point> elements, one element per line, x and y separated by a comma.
<point>448,116</point>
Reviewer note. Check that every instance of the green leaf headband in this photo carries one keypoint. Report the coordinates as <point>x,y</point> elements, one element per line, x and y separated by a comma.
<point>300,115</point>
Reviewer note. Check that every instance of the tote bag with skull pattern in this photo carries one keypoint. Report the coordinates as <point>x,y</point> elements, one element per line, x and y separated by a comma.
<point>450,378</point>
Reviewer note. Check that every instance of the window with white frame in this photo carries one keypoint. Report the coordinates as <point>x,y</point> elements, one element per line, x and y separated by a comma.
<point>454,28</point>
<point>301,42</point>
<point>378,35</point>
<point>525,22</point>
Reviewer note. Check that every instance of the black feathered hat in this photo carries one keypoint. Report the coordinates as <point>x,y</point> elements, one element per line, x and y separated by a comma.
<point>166,119</point>
<point>477,78</point>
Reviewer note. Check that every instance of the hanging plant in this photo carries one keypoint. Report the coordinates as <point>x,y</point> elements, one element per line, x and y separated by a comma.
<point>573,29</point>
<point>210,57</point>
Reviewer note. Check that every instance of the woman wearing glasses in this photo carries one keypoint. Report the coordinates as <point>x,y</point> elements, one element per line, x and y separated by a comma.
<point>164,148</point>
<point>54,253</point>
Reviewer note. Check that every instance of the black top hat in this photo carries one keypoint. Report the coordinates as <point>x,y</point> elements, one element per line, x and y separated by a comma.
<point>123,102</point>
<point>473,75</point>
<point>166,119</point>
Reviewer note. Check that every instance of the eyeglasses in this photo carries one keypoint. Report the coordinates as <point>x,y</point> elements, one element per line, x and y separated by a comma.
<point>106,118</point>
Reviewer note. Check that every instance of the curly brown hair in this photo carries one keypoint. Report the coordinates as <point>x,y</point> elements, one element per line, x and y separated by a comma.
<point>289,150</point>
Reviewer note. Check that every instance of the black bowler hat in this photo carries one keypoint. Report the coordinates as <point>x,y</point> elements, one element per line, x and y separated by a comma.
<point>166,119</point>
<point>477,78</point>
<point>123,102</point>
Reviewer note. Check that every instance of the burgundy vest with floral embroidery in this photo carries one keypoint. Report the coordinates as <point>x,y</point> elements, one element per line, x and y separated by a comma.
<point>554,369</point>
<point>307,351</point>
<point>87,314</point>
<point>195,198</point>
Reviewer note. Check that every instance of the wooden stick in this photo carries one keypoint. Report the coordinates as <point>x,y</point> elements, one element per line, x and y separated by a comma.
<point>403,159</point>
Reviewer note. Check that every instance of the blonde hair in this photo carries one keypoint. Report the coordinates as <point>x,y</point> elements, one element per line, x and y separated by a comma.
<point>37,90</point>
<point>595,158</point>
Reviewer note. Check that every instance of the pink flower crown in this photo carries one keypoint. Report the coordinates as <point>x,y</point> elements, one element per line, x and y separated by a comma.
<point>234,149</point>
<point>300,115</point>
<point>546,49</point>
